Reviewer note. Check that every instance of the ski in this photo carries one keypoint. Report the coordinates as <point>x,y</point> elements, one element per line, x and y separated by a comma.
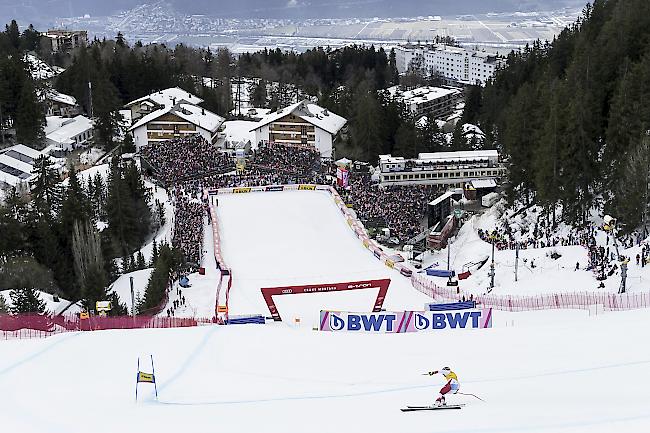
<point>417,408</point>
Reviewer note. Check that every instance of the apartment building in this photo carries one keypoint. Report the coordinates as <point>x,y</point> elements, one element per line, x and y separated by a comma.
<point>438,101</point>
<point>62,40</point>
<point>455,64</point>
<point>176,121</point>
<point>441,168</point>
<point>301,124</point>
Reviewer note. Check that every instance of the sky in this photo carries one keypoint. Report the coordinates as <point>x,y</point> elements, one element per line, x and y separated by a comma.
<point>37,10</point>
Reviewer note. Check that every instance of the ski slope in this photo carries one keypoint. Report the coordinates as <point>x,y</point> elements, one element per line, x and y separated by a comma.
<point>553,371</point>
<point>287,238</point>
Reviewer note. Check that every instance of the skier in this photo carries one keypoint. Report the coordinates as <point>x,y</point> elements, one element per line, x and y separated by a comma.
<point>452,384</point>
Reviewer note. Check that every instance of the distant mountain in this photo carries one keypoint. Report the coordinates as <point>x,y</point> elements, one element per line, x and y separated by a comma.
<point>45,10</point>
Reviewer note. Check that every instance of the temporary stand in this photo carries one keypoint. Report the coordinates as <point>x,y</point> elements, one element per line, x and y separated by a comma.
<point>146,378</point>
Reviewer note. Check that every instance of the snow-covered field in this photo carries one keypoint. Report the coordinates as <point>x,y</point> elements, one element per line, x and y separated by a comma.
<point>288,238</point>
<point>562,371</point>
<point>541,371</point>
<point>538,272</point>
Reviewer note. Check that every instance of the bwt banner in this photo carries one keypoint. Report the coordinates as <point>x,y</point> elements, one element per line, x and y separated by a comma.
<point>406,321</point>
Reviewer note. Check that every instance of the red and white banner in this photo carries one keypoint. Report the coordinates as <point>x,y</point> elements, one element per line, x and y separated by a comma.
<point>269,292</point>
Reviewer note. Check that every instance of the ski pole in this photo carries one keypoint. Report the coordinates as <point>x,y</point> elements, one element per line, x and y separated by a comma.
<point>475,396</point>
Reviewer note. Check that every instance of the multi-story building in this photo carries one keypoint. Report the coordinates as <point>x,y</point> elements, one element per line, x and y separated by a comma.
<point>301,124</point>
<point>455,64</point>
<point>438,101</point>
<point>176,121</point>
<point>441,168</point>
<point>66,40</point>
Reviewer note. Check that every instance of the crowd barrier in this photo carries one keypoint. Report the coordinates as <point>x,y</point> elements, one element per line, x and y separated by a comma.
<point>572,300</point>
<point>246,320</point>
<point>37,326</point>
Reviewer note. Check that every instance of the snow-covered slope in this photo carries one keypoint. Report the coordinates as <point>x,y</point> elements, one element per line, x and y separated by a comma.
<point>299,237</point>
<point>563,371</point>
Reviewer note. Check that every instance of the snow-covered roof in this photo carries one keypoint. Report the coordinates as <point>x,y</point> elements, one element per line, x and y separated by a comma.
<point>423,94</point>
<point>62,130</point>
<point>239,131</point>
<point>391,159</point>
<point>309,112</point>
<point>464,155</point>
<point>61,98</point>
<point>193,114</point>
<point>25,150</point>
<point>168,97</point>
<point>39,69</point>
<point>483,183</point>
<point>470,129</point>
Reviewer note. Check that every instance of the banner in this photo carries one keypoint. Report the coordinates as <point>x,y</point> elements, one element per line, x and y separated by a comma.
<point>146,378</point>
<point>342,176</point>
<point>240,190</point>
<point>275,188</point>
<point>269,292</point>
<point>307,187</point>
<point>406,321</point>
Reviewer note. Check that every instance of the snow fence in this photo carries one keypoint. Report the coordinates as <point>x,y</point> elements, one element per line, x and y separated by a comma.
<point>572,300</point>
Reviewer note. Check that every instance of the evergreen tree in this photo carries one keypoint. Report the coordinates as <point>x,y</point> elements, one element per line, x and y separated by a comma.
<point>3,305</point>
<point>89,262</point>
<point>140,262</point>
<point>13,34</point>
<point>365,130</point>
<point>46,190</point>
<point>406,139</point>
<point>258,94</point>
<point>30,117</point>
<point>127,145</point>
<point>154,254</point>
<point>26,300</point>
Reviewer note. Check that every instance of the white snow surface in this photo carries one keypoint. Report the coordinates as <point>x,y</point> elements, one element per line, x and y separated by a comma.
<point>50,304</point>
<point>560,371</point>
<point>547,276</point>
<point>122,286</point>
<point>288,238</point>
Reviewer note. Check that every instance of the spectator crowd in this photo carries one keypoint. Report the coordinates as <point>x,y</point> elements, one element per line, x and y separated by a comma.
<point>188,227</point>
<point>402,208</point>
<point>278,158</point>
<point>185,158</point>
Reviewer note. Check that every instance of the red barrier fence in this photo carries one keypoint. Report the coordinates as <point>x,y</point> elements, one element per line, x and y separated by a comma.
<point>574,300</point>
<point>36,326</point>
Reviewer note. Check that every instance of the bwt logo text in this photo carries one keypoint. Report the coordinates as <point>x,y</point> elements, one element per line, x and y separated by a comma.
<point>363,322</point>
<point>444,320</point>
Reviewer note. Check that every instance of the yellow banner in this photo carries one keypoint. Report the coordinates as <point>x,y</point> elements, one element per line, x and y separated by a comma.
<point>366,243</point>
<point>390,263</point>
<point>241,190</point>
<point>309,187</point>
<point>146,377</point>
<point>83,315</point>
<point>222,309</point>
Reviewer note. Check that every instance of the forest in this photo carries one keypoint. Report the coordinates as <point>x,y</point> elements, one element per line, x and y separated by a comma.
<point>572,116</point>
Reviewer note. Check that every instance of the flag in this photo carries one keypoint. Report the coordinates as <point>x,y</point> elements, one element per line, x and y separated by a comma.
<point>146,377</point>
